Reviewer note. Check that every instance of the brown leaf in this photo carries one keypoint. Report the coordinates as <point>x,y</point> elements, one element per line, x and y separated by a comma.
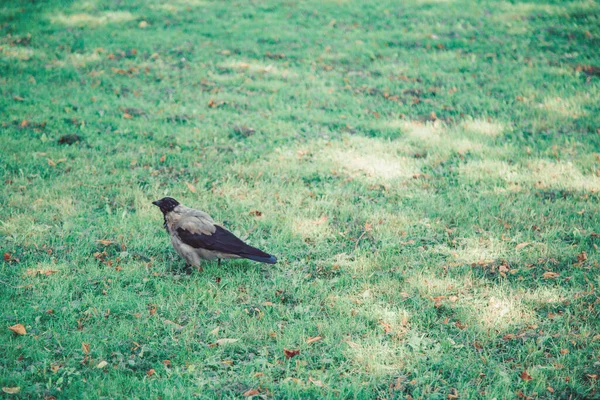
<point>51,163</point>
<point>525,376</point>
<point>7,257</point>
<point>564,351</point>
<point>11,390</point>
<point>386,327</point>
<point>368,227</point>
<point>522,245</point>
<point>127,116</point>
<point>105,242</point>
<point>311,340</point>
<point>256,213</point>
<point>163,158</point>
<point>191,187</point>
<point>290,353</point>
<point>167,363</point>
<point>19,329</point>
<point>550,275</point>
<point>18,98</point>
<point>101,364</point>
<point>321,220</point>
<point>85,347</point>
<point>251,392</point>
<point>150,372</point>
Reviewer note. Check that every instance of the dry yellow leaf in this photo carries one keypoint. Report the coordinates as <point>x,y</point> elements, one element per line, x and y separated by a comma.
<point>19,329</point>
<point>313,339</point>
<point>191,187</point>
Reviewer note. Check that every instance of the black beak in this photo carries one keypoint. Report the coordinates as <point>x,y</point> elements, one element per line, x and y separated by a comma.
<point>156,203</point>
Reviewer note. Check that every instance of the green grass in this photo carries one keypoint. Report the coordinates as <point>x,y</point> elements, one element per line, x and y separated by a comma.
<point>401,154</point>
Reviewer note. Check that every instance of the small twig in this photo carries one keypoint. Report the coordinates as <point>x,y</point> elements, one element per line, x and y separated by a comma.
<point>358,240</point>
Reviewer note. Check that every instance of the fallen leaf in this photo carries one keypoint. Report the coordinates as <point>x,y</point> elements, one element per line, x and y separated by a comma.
<point>7,256</point>
<point>311,340</point>
<point>522,245</point>
<point>45,272</point>
<point>173,324</point>
<point>592,376</point>
<point>316,382</point>
<point>215,331</point>
<point>105,242</point>
<point>51,163</point>
<point>251,392</point>
<point>11,390</point>
<point>290,353</point>
<point>564,351</point>
<point>221,342</point>
<point>386,327</point>
<point>167,363</point>
<point>163,158</point>
<point>151,372</point>
<point>550,275</point>
<point>321,220</point>
<point>85,347</point>
<point>191,187</point>
<point>102,364</point>
<point>127,116</point>
<point>525,376</point>
<point>353,345</point>
<point>258,375</point>
<point>143,24</point>
<point>267,303</point>
<point>19,329</point>
<point>550,389</point>
<point>256,213</point>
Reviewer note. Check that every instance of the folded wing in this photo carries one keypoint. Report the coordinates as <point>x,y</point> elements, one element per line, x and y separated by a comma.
<point>223,241</point>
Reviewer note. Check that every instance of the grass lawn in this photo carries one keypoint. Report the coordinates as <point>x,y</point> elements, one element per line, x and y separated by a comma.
<point>426,171</point>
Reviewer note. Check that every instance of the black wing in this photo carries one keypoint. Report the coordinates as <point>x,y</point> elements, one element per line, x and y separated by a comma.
<point>224,241</point>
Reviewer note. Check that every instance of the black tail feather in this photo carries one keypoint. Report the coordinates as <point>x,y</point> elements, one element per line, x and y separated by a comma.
<point>269,259</point>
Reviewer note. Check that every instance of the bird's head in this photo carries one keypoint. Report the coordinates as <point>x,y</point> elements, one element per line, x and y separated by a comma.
<point>166,204</point>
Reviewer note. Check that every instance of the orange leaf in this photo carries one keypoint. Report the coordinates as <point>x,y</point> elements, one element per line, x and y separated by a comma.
<point>105,242</point>
<point>151,372</point>
<point>525,376</point>
<point>127,116</point>
<point>550,275</point>
<point>163,158</point>
<point>522,245</point>
<point>19,329</point>
<point>251,392</point>
<point>311,340</point>
<point>290,353</point>
<point>386,327</point>
<point>190,187</point>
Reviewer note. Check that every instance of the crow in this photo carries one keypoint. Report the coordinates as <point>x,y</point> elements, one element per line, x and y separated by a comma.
<point>196,237</point>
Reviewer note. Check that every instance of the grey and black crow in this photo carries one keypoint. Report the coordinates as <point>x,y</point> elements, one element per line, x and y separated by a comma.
<point>196,237</point>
